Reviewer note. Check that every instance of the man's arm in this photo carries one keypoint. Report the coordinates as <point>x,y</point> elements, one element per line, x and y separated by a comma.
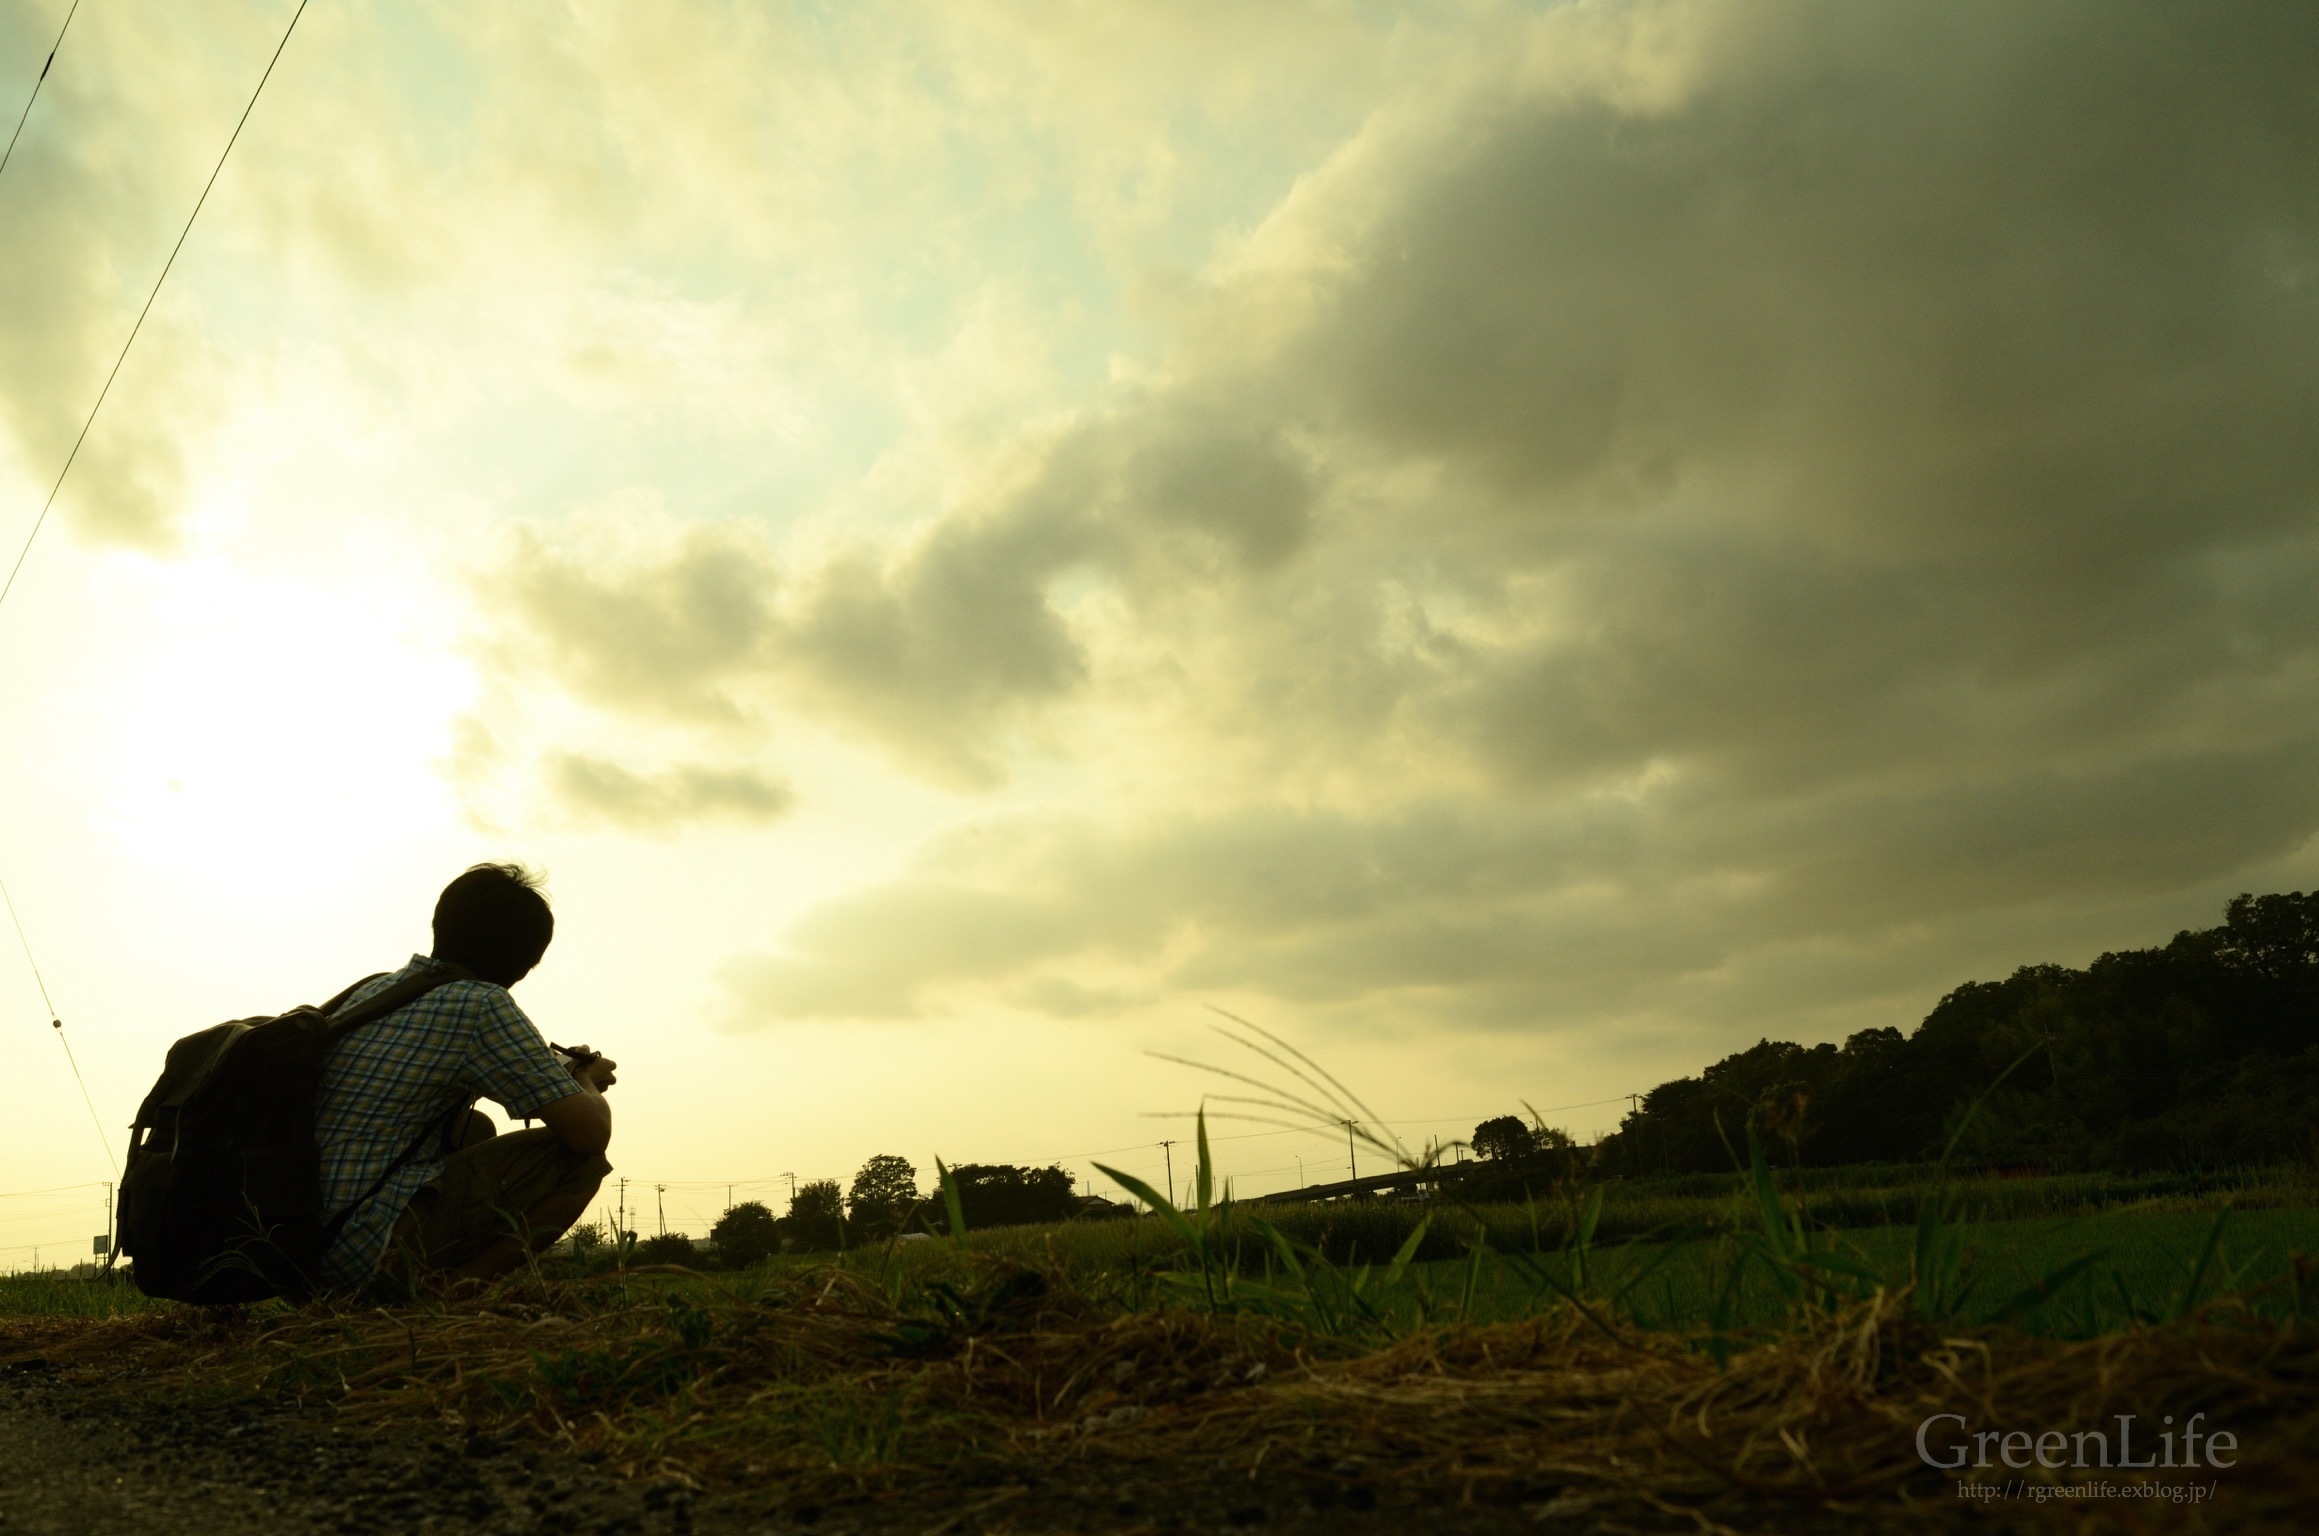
<point>582,1119</point>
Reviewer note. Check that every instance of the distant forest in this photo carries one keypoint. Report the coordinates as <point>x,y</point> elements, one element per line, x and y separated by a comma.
<point>2201,1053</point>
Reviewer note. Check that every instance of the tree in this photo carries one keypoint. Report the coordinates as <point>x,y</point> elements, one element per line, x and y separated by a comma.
<point>884,1194</point>
<point>668,1248</point>
<point>1002,1195</point>
<point>816,1219</point>
<point>1504,1140</point>
<point>746,1234</point>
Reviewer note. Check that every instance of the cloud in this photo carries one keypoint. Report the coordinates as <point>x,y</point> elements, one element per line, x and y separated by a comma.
<point>657,805</point>
<point>1689,481</point>
<point>1606,907</point>
<point>933,649</point>
<point>93,198</point>
<point>673,628</point>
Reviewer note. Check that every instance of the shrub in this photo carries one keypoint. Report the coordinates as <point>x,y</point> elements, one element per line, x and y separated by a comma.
<point>745,1234</point>
<point>668,1248</point>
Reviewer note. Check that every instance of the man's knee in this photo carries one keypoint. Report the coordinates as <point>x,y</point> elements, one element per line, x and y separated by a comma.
<point>474,1131</point>
<point>573,1171</point>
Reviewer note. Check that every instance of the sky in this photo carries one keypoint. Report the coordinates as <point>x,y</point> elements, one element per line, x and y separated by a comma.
<point>1520,547</point>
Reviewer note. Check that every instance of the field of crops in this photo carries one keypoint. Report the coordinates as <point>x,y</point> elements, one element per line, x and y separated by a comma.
<point>1661,1248</point>
<point>1735,1351</point>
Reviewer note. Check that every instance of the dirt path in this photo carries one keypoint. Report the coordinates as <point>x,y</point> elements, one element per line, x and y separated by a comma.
<point>77,1460</point>
<point>77,1463</point>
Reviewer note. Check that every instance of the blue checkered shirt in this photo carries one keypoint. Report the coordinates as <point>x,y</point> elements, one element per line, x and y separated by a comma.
<point>397,1079</point>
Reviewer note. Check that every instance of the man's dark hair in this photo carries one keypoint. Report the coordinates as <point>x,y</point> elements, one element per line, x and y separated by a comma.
<point>494,921</point>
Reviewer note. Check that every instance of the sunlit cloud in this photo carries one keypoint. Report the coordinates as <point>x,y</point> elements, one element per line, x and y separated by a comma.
<point>1599,530</point>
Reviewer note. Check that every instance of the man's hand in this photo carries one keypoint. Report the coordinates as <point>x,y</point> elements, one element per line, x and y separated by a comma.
<point>598,1072</point>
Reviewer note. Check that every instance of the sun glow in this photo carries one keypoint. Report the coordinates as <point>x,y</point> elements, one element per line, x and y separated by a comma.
<point>261,724</point>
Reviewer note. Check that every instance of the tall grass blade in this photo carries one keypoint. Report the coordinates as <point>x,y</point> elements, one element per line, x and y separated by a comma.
<point>1205,1183</point>
<point>952,1206</point>
<point>1407,1252</point>
<point>1974,1108</point>
<point>2198,1271</point>
<point>1341,1094</point>
<point>1161,1206</point>
<point>2031,1297</point>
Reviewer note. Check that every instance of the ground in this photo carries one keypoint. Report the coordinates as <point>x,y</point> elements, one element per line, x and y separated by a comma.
<point>77,1460</point>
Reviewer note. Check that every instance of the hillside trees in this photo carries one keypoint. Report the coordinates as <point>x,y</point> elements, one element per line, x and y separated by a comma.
<point>2202,1051</point>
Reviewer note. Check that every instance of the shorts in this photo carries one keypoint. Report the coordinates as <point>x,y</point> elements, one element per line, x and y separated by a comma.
<point>483,1192</point>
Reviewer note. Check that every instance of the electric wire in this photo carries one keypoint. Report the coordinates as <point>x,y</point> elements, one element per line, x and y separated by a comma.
<point>53,1189</point>
<point>70,458</point>
<point>10,153</point>
<point>39,522</point>
<point>56,1023</point>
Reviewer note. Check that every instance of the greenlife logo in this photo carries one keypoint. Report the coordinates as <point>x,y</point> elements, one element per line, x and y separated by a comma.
<point>1949,1442</point>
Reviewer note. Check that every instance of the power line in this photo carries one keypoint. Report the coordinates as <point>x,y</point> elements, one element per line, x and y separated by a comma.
<point>40,521</point>
<point>70,458</point>
<point>53,1189</point>
<point>10,153</point>
<point>56,1023</point>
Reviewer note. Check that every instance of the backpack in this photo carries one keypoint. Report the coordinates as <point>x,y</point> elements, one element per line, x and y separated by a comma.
<point>221,1198</point>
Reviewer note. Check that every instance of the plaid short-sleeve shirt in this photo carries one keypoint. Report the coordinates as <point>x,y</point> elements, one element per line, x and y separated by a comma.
<point>388,1083</point>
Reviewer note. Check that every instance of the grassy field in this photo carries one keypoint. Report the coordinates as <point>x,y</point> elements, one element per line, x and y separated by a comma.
<point>1677,1240</point>
<point>1758,1355</point>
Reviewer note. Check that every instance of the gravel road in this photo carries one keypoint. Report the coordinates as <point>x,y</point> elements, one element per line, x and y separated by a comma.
<point>84,1460</point>
<point>79,1463</point>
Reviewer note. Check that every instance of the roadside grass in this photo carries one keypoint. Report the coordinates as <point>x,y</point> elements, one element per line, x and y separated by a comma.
<point>1724,1380</point>
<point>962,1381</point>
<point>1747,1356</point>
<point>61,1293</point>
<point>2145,1232</point>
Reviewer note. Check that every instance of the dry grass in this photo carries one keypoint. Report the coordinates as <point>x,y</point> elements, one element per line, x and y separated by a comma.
<point>834,1389</point>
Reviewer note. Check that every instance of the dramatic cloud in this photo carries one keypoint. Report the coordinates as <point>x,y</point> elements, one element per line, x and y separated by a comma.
<point>1742,476</point>
<point>1875,469</point>
<point>1507,539</point>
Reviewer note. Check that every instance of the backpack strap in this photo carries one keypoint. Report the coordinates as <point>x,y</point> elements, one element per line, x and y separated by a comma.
<point>345,1017</point>
<point>339,1001</point>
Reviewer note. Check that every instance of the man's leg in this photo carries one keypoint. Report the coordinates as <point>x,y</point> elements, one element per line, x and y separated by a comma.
<point>496,1203</point>
<point>545,1221</point>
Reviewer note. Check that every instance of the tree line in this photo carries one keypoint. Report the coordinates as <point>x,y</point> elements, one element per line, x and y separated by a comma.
<point>885,1201</point>
<point>2201,1052</point>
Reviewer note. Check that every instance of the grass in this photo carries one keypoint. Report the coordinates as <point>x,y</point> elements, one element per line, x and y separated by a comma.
<point>1354,1231</point>
<point>60,1293</point>
<point>955,1378</point>
<point>1720,1355</point>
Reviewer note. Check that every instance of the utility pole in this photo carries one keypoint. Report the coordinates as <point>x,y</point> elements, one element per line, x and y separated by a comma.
<point>792,1178</point>
<point>1352,1159</point>
<point>620,1215</point>
<point>1300,1170</point>
<point>661,1205</point>
<point>1168,1148</point>
<point>728,1197</point>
